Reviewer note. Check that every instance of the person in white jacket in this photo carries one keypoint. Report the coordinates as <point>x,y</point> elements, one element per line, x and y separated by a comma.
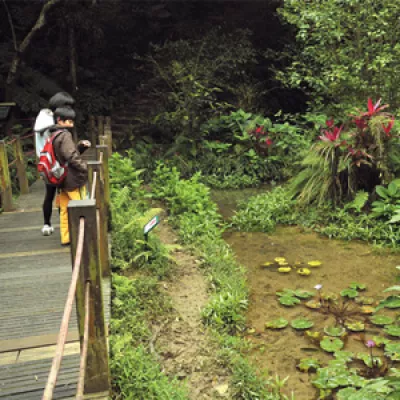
<point>44,121</point>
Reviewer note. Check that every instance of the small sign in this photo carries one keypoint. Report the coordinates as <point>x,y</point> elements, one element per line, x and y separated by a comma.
<point>151,224</point>
<point>4,110</point>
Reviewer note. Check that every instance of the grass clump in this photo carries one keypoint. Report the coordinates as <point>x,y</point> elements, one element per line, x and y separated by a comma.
<point>135,373</point>
<point>137,303</point>
<point>263,212</point>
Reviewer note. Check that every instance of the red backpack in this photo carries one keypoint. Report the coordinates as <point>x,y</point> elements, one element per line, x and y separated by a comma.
<point>49,168</point>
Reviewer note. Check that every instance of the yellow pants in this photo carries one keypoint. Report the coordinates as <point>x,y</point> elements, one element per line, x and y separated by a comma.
<point>65,197</point>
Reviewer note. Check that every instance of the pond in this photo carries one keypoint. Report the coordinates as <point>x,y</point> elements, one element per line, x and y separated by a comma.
<point>342,263</point>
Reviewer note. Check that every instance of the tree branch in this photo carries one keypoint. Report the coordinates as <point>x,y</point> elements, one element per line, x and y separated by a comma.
<point>28,38</point>
<point>11,26</point>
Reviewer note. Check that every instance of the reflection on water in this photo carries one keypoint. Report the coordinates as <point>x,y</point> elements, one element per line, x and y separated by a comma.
<point>228,200</point>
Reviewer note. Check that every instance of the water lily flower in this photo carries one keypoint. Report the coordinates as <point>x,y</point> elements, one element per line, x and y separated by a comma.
<point>318,287</point>
<point>388,128</point>
<point>370,344</point>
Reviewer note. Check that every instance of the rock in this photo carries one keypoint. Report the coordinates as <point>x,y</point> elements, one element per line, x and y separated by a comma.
<point>222,389</point>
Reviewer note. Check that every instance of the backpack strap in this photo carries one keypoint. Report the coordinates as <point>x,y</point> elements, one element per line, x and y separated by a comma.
<point>53,137</point>
<point>56,133</point>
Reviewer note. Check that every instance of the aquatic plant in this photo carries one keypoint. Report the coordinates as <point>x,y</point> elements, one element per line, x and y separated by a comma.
<point>330,344</point>
<point>381,320</point>
<point>308,365</point>
<point>301,324</point>
<point>278,323</point>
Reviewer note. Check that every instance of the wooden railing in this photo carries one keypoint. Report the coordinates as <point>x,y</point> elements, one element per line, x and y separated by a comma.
<point>5,166</point>
<point>88,221</point>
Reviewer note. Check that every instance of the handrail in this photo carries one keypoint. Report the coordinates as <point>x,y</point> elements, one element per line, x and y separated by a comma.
<point>55,367</point>
<point>84,352</point>
<point>93,191</point>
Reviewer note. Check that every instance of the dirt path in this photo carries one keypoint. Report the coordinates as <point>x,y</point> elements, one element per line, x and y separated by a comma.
<point>184,346</point>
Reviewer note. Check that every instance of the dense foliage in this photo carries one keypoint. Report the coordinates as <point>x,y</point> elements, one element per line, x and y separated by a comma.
<point>345,50</point>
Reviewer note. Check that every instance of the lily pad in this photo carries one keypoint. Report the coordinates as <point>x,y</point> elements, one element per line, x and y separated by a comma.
<point>392,302</point>
<point>392,330</point>
<point>367,301</point>
<point>392,350</point>
<point>335,331</point>
<point>289,301</point>
<point>278,323</point>
<point>355,326</point>
<point>301,323</point>
<point>330,344</point>
<point>381,320</point>
<point>381,341</point>
<point>367,310</point>
<point>280,259</point>
<point>346,393</point>
<point>350,293</point>
<point>284,270</point>
<point>313,304</point>
<point>367,360</point>
<point>357,286</point>
<point>283,263</point>
<point>304,271</point>
<point>314,336</point>
<point>315,263</point>
<point>308,365</point>
<point>285,292</point>
<point>344,356</point>
<point>268,264</point>
<point>303,294</point>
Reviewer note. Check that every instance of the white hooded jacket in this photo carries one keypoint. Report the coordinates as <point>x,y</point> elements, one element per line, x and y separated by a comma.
<point>44,121</point>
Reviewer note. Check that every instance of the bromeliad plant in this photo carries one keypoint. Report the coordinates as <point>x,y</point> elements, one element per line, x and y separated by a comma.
<point>346,156</point>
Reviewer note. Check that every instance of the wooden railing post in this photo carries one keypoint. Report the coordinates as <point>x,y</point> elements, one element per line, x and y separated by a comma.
<point>21,170</point>
<point>97,166</point>
<point>97,377</point>
<point>5,181</point>
<point>108,134</point>
<point>106,177</point>
<point>100,125</point>
<point>92,130</point>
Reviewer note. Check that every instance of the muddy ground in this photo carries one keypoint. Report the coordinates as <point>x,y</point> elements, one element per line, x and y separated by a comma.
<point>184,347</point>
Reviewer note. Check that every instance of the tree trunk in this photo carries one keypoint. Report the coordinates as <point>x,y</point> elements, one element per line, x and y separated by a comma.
<point>72,58</point>
<point>14,68</point>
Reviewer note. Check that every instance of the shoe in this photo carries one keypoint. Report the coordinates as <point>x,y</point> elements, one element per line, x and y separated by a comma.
<point>47,230</point>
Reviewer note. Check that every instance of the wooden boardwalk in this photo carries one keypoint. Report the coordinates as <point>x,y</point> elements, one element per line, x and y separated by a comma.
<point>35,273</point>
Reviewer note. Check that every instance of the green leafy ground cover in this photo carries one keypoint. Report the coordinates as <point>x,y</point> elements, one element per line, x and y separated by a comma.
<point>278,207</point>
<point>137,301</point>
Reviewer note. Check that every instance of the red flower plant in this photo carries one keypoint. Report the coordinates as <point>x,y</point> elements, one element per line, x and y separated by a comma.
<point>361,123</point>
<point>374,108</point>
<point>268,141</point>
<point>331,136</point>
<point>330,122</point>
<point>389,127</point>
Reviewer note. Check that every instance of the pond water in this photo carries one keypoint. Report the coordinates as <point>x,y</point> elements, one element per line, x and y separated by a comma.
<point>278,351</point>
